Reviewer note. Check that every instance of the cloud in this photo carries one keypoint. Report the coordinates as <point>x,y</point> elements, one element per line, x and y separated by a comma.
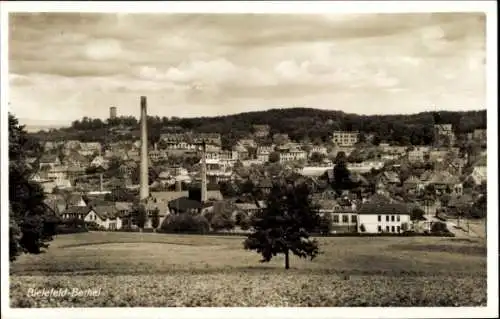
<point>210,64</point>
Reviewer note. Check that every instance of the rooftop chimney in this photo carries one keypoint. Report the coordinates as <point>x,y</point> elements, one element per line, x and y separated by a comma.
<point>144,193</point>
<point>203,173</point>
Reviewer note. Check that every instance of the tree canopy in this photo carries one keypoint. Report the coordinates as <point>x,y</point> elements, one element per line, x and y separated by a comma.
<point>32,223</point>
<point>285,224</point>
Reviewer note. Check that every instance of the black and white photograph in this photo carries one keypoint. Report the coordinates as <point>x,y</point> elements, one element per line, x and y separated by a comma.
<point>186,159</point>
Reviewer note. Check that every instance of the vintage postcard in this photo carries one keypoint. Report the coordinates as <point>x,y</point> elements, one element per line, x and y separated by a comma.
<point>321,159</point>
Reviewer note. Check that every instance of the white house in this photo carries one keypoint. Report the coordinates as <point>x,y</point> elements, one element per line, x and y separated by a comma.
<point>104,216</point>
<point>378,216</point>
<point>479,174</point>
<point>293,155</point>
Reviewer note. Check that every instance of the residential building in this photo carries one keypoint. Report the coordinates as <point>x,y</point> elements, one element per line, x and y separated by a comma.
<point>49,161</point>
<point>90,148</point>
<point>390,178</point>
<point>293,155</point>
<point>417,154</point>
<point>75,212</point>
<point>318,149</point>
<point>479,174</point>
<point>365,166</point>
<point>413,185</point>
<point>261,130</point>
<point>383,216</point>
<point>264,151</point>
<point>99,161</point>
<point>443,134</point>
<point>444,182</point>
<point>480,135</point>
<point>249,209</point>
<point>343,138</point>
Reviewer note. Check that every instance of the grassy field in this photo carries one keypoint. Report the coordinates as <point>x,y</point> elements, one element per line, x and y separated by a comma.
<point>159,270</point>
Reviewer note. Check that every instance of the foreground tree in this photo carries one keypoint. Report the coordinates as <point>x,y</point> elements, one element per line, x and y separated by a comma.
<point>155,218</point>
<point>139,215</point>
<point>283,227</point>
<point>31,223</point>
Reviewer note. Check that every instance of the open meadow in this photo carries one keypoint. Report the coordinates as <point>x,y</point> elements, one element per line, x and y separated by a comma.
<point>159,270</point>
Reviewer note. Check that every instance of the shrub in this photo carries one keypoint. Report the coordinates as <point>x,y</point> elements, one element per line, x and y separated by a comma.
<point>185,223</point>
<point>362,228</point>
<point>439,227</point>
<point>94,226</point>
<point>71,226</point>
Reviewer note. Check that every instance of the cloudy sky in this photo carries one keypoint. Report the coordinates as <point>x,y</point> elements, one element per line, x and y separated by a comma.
<point>64,66</point>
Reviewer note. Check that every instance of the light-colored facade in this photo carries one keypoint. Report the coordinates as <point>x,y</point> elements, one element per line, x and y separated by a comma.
<point>342,138</point>
<point>383,223</point>
<point>443,132</point>
<point>293,155</point>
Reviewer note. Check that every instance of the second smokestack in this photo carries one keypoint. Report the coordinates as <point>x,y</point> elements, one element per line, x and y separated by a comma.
<point>144,193</point>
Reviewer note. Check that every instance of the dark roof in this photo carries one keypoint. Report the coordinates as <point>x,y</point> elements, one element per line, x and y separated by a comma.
<point>48,158</point>
<point>105,211</point>
<point>184,203</point>
<point>77,210</point>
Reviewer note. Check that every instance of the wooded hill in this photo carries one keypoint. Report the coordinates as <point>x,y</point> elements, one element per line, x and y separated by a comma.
<point>301,124</point>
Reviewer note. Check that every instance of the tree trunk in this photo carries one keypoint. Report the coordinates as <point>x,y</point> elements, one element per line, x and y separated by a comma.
<point>287,260</point>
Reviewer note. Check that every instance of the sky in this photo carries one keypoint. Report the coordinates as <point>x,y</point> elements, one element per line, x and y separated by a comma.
<point>63,66</point>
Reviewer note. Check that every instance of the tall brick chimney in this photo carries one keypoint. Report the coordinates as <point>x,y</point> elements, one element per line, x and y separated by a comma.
<point>144,193</point>
<point>203,173</point>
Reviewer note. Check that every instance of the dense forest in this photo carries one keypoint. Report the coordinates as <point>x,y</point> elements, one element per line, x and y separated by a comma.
<point>301,124</point>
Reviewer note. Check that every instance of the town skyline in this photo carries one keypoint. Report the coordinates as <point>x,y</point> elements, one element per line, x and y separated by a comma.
<point>85,63</point>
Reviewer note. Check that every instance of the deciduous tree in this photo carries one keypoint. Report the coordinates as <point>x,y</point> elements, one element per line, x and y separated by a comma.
<point>284,225</point>
<point>31,223</point>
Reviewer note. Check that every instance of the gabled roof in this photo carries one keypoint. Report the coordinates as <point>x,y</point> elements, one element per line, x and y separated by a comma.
<point>392,177</point>
<point>105,211</point>
<point>384,209</point>
<point>48,158</point>
<point>123,205</point>
<point>413,180</point>
<point>77,210</point>
<point>327,204</point>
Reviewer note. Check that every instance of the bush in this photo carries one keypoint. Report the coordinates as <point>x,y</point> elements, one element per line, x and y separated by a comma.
<point>185,223</point>
<point>439,227</point>
<point>362,228</point>
<point>71,226</point>
<point>93,226</point>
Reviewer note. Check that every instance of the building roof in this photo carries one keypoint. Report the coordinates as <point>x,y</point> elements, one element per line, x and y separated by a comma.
<point>77,210</point>
<point>123,205</point>
<point>371,208</point>
<point>105,211</point>
<point>413,180</point>
<point>392,177</point>
<point>327,204</point>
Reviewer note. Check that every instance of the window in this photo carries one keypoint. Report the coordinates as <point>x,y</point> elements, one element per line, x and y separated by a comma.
<point>398,218</point>
<point>379,218</point>
<point>345,218</point>
<point>393,229</point>
<point>399,229</point>
<point>353,218</point>
<point>387,218</point>
<point>387,228</point>
<point>379,229</point>
<point>336,219</point>
<point>392,218</point>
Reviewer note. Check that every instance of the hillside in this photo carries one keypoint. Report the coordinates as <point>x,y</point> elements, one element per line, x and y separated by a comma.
<point>298,123</point>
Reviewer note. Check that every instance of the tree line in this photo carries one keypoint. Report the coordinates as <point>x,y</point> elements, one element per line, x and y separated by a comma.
<point>301,124</point>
